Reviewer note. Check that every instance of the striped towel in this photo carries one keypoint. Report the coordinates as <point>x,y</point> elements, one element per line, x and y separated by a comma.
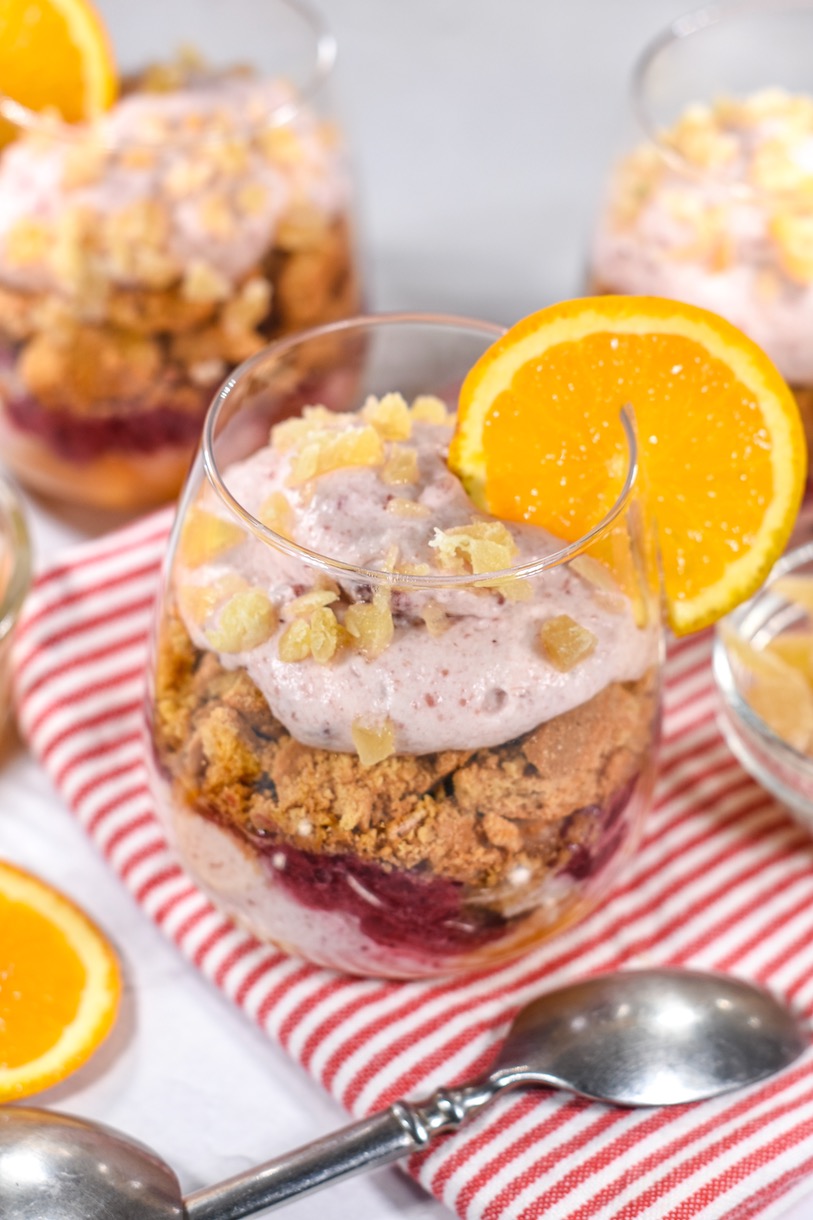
<point>723,880</point>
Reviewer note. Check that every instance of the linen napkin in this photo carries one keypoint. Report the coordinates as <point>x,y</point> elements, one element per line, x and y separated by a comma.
<point>723,880</point>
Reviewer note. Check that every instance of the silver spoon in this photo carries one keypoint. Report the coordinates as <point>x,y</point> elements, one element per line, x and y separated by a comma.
<point>636,1038</point>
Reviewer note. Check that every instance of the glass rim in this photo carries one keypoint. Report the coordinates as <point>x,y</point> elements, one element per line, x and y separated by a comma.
<point>377,576</point>
<point>324,58</point>
<point>13,525</point>
<point>692,23</point>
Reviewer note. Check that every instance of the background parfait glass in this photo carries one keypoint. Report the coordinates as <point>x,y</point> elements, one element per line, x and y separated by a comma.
<point>367,750</point>
<point>714,202</point>
<point>145,254</point>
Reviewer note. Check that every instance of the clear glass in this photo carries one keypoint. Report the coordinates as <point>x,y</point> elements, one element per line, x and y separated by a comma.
<point>786,772</point>
<point>15,581</point>
<point>146,254</point>
<point>714,204</point>
<point>369,749</point>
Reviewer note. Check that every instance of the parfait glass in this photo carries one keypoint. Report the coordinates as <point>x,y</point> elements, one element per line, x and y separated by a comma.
<point>713,204</point>
<point>390,733</point>
<point>146,253</point>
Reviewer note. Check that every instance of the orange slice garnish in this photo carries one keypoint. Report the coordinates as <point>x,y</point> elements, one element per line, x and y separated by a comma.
<point>539,439</point>
<point>55,54</point>
<point>59,985</point>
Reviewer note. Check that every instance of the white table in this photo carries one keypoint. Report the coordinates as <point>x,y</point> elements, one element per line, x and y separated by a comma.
<point>482,130</point>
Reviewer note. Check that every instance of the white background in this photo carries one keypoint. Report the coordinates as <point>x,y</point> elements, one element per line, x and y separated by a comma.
<point>482,130</point>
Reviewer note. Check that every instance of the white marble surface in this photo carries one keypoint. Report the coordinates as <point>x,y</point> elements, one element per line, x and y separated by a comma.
<point>482,129</point>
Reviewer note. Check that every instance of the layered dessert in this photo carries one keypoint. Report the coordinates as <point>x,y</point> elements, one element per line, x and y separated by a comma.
<point>381,741</point>
<point>719,213</point>
<point>145,254</point>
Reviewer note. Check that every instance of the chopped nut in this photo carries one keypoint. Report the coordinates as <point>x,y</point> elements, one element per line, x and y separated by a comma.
<point>304,605</point>
<point>324,635</point>
<point>326,451</point>
<point>565,642</point>
<point>201,282</point>
<point>427,409</point>
<point>247,620</point>
<point>482,546</point>
<point>389,416</point>
<point>406,508</point>
<point>295,641</point>
<point>370,624</point>
<point>205,536</point>
<point>436,618</point>
<point>401,467</point>
<point>277,513</point>
<point>373,744</point>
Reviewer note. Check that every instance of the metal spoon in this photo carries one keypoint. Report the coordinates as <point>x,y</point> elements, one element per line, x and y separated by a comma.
<point>637,1038</point>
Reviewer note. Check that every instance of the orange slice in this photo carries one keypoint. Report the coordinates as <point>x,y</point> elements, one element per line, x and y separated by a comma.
<point>539,439</point>
<point>56,54</point>
<point>59,985</point>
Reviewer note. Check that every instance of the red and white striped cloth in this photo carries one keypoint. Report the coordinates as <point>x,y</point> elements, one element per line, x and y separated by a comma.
<point>723,880</point>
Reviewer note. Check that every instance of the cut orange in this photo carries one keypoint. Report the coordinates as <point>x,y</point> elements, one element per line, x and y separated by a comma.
<point>59,985</point>
<point>55,54</point>
<point>539,439</point>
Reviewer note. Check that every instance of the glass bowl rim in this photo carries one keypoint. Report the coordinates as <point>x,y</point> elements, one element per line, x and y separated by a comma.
<point>692,23</point>
<point>337,568</point>
<point>14,525</point>
<point>734,701</point>
<point>30,121</point>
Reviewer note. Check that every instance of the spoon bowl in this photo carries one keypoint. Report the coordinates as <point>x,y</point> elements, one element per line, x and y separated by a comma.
<point>635,1038</point>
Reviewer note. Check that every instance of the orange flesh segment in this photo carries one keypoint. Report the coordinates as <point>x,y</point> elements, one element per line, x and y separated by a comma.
<point>41,980</point>
<point>656,374</point>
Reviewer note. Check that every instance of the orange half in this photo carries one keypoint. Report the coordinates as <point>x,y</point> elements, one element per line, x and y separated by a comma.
<point>721,445</point>
<point>59,985</point>
<point>56,54</point>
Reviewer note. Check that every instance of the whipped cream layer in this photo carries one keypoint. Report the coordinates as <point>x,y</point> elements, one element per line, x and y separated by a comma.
<point>464,667</point>
<point>721,215</point>
<point>199,175</point>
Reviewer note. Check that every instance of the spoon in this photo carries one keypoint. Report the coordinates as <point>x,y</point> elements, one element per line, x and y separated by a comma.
<point>636,1038</point>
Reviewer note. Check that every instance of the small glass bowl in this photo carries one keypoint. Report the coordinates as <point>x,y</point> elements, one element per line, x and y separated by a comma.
<point>15,580</point>
<point>781,769</point>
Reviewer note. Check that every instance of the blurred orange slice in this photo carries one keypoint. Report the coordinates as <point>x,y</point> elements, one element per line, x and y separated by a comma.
<point>539,439</point>
<point>59,985</point>
<point>55,54</point>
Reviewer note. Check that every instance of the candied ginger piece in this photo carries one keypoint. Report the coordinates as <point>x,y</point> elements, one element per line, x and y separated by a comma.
<point>428,409</point>
<point>305,604</point>
<point>389,416</point>
<point>295,641</point>
<point>247,620</point>
<point>373,744</point>
<point>400,467</point>
<point>565,642</point>
<point>795,589</point>
<point>292,432</point>
<point>482,546</point>
<point>324,635</point>
<point>198,601</point>
<point>793,235</point>
<point>436,618</point>
<point>205,536</point>
<point>276,512</point>
<point>326,451</point>
<point>370,624</point>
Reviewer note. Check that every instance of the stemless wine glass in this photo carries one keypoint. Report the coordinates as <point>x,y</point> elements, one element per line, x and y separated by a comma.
<point>714,205</point>
<point>390,733</point>
<point>146,253</point>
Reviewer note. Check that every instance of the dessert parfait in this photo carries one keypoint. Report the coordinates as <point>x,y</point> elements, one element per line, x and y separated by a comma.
<point>715,205</point>
<point>146,252</point>
<point>390,732</point>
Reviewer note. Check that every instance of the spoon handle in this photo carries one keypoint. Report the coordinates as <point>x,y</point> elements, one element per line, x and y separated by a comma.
<point>369,1144</point>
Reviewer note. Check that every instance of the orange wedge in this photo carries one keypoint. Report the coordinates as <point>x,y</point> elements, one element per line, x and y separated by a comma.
<point>539,439</point>
<point>55,54</point>
<point>59,985</point>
